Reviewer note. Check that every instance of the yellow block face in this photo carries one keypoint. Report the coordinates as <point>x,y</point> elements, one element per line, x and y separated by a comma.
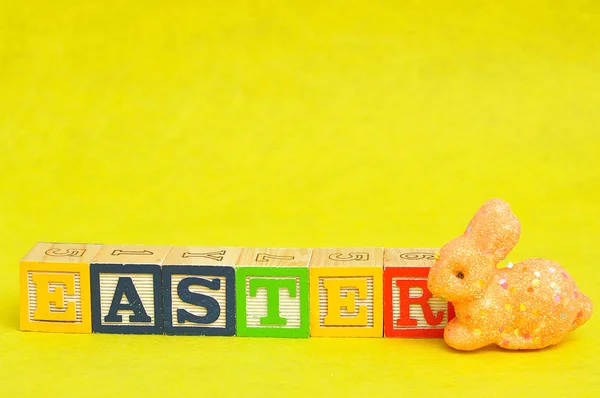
<point>55,288</point>
<point>340,309</point>
<point>346,300</point>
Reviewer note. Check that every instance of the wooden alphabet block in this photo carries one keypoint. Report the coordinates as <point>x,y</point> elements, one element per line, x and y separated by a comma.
<point>346,292</point>
<point>126,289</point>
<point>199,290</point>
<point>410,310</point>
<point>55,288</point>
<point>272,293</point>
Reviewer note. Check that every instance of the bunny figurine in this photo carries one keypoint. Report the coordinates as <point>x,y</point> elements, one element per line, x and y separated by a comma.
<point>528,305</point>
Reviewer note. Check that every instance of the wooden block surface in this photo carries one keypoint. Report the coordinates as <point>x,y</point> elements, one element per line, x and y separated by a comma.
<point>272,292</point>
<point>46,252</point>
<point>131,254</point>
<point>410,310</point>
<point>274,257</point>
<point>346,292</point>
<point>55,288</point>
<point>199,290</point>
<point>399,257</point>
<point>347,257</point>
<point>203,255</point>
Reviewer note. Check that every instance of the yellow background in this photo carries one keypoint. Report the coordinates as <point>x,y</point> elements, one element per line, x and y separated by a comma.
<point>301,123</point>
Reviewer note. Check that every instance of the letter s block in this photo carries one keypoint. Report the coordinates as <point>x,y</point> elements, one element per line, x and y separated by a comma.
<point>410,310</point>
<point>55,288</point>
<point>272,293</point>
<point>199,290</point>
<point>127,289</point>
<point>346,292</point>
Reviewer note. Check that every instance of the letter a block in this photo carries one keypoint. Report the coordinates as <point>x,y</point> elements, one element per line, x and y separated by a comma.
<point>346,292</point>
<point>126,289</point>
<point>55,288</point>
<point>272,293</point>
<point>199,290</point>
<point>410,310</point>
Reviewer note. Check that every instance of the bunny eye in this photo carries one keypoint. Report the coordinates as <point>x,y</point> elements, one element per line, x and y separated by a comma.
<point>460,275</point>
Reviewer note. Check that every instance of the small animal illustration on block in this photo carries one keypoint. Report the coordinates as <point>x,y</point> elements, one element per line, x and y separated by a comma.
<point>272,292</point>
<point>55,288</point>
<point>410,310</point>
<point>346,292</point>
<point>199,290</point>
<point>527,305</point>
<point>127,289</point>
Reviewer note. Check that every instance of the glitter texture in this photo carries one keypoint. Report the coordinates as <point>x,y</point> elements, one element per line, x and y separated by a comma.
<point>527,305</point>
<point>503,283</point>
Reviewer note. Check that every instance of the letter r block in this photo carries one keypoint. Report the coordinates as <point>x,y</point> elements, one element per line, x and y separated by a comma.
<point>410,310</point>
<point>199,290</point>
<point>346,292</point>
<point>272,293</point>
<point>127,289</point>
<point>55,288</point>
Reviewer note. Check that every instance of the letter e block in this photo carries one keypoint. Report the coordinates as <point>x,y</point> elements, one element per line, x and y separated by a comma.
<point>199,290</point>
<point>55,288</point>
<point>346,292</point>
<point>126,289</point>
<point>272,293</point>
<point>410,310</point>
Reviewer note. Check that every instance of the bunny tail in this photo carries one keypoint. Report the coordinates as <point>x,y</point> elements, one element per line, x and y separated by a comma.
<point>585,313</point>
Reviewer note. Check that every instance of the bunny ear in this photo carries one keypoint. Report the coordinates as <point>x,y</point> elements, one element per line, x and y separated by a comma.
<point>494,230</point>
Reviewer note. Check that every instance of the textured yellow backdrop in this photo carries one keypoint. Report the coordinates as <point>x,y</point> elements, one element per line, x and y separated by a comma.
<point>304,123</point>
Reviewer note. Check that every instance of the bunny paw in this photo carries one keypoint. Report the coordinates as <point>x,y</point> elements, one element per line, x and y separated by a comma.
<point>462,337</point>
<point>516,341</point>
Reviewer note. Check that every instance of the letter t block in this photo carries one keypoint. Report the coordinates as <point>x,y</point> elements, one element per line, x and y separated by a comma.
<point>346,292</point>
<point>55,288</point>
<point>410,310</point>
<point>272,293</point>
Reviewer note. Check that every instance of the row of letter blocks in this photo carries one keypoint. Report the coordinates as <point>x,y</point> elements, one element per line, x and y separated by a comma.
<point>227,291</point>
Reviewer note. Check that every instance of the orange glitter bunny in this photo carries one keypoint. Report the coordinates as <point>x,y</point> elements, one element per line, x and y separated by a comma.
<point>529,305</point>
